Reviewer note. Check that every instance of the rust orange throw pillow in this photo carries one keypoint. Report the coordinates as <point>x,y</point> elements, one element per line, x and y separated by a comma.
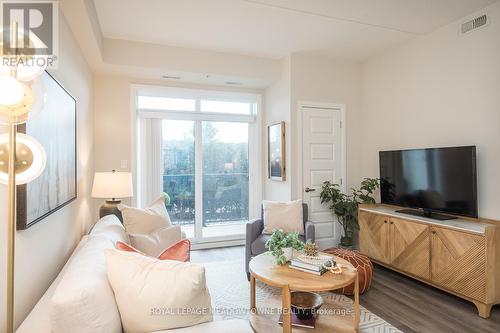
<point>125,247</point>
<point>179,251</point>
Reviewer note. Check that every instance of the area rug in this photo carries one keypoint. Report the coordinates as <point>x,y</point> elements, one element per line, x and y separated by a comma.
<point>230,294</point>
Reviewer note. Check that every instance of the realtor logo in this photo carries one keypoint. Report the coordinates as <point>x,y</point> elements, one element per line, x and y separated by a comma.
<point>37,23</point>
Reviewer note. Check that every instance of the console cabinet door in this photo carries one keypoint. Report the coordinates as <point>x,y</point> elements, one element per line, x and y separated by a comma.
<point>374,236</point>
<point>410,247</point>
<point>459,262</point>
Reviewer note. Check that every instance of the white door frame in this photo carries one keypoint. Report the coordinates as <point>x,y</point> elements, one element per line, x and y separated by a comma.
<point>320,105</point>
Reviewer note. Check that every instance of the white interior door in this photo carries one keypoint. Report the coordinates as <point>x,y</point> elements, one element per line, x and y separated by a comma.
<point>322,160</point>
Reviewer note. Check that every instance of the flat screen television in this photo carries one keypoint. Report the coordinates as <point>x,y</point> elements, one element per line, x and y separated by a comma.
<point>432,180</point>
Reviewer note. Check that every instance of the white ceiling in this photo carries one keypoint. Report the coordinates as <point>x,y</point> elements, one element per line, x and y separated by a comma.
<point>354,29</point>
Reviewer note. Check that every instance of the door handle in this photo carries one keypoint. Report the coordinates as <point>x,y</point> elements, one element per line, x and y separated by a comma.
<point>310,189</point>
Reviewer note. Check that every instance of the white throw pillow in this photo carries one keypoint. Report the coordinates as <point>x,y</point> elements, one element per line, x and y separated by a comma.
<point>145,220</point>
<point>83,301</point>
<point>155,295</point>
<point>153,244</point>
<point>287,216</point>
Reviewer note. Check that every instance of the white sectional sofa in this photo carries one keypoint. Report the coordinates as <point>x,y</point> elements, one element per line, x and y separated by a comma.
<point>84,294</point>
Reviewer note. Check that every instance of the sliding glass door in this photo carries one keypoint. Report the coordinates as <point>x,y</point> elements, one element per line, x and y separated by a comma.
<point>209,152</point>
<point>225,178</point>
<point>178,158</point>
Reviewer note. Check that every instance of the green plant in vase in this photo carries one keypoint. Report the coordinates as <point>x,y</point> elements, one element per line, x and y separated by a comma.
<point>282,244</point>
<point>345,206</point>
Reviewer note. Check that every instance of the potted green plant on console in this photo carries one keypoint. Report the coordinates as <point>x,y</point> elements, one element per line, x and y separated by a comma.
<point>282,244</point>
<point>345,206</point>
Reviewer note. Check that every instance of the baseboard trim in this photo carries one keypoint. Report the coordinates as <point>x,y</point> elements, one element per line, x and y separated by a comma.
<point>217,244</point>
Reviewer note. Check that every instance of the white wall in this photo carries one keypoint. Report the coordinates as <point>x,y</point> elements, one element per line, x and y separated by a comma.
<point>191,64</point>
<point>327,81</point>
<point>324,80</point>
<point>43,249</point>
<point>277,109</point>
<point>112,122</point>
<point>313,79</point>
<point>441,89</point>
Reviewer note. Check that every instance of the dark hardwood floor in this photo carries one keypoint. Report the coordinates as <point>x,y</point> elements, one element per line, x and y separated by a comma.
<point>413,306</point>
<point>407,304</point>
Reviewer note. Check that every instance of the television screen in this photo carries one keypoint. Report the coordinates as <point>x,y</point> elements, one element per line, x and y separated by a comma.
<point>434,179</point>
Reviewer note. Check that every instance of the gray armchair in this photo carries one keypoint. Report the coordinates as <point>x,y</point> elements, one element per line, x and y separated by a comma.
<point>256,241</point>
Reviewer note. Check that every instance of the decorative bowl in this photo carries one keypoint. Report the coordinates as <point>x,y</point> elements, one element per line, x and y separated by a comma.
<point>305,304</point>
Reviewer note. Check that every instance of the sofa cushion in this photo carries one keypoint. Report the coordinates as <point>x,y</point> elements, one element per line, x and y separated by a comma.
<point>259,244</point>
<point>83,301</point>
<point>110,227</point>
<point>155,295</point>
<point>145,220</point>
<point>38,319</point>
<point>287,216</point>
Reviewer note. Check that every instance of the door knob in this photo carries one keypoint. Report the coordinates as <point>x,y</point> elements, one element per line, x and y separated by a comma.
<point>310,189</point>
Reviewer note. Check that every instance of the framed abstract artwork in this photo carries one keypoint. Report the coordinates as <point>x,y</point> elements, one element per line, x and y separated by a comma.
<point>276,151</point>
<point>55,129</point>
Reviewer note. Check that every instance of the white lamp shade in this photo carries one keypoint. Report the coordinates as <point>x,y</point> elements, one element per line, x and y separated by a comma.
<point>111,185</point>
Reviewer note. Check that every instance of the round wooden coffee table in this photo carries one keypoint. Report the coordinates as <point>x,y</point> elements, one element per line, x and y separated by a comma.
<point>263,268</point>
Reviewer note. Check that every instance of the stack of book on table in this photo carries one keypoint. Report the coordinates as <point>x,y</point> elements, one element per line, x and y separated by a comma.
<point>316,266</point>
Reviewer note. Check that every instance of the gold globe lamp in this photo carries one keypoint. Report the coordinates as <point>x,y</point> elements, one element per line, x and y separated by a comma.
<point>22,158</point>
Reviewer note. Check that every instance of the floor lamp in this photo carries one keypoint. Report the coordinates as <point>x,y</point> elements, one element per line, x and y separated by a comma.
<point>22,158</point>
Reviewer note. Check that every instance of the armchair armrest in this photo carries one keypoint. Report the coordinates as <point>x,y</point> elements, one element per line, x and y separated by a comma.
<point>253,230</point>
<point>309,231</point>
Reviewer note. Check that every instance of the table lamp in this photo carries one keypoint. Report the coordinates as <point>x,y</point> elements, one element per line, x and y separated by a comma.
<point>112,186</point>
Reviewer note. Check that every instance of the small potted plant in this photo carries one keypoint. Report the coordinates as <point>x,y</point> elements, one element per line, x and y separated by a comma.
<point>345,206</point>
<point>282,244</point>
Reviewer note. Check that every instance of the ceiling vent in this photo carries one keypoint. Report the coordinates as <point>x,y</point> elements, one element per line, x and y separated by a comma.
<point>473,24</point>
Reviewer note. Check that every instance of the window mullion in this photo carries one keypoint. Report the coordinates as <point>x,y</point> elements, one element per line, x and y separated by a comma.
<point>198,180</point>
<point>197,105</point>
<point>195,115</point>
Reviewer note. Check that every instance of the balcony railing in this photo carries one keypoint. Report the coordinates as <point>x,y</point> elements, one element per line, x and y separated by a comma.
<point>225,198</point>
